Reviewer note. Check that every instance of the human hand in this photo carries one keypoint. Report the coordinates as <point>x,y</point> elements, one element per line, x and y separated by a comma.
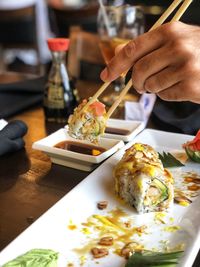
<point>165,61</point>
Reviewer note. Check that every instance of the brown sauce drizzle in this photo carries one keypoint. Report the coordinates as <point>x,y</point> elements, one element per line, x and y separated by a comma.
<point>193,187</point>
<point>192,180</point>
<point>80,148</point>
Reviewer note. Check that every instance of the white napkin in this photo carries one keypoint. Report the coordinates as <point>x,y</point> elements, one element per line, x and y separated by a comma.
<point>3,123</point>
<point>141,110</point>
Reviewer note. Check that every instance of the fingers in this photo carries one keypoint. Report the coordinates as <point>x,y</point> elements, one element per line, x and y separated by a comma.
<point>164,61</point>
<point>149,65</point>
<point>133,51</point>
<point>182,91</point>
<point>174,93</point>
<point>143,45</point>
<point>163,80</point>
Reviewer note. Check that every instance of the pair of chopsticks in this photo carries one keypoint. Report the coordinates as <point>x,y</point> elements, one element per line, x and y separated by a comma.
<point>159,22</point>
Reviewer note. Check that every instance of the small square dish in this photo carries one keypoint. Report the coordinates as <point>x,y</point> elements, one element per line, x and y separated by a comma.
<point>77,154</point>
<point>124,130</point>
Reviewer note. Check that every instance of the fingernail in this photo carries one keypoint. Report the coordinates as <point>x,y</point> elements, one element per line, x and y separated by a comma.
<point>140,91</point>
<point>104,74</point>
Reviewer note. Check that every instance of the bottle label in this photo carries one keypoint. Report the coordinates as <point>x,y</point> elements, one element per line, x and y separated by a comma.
<point>55,98</point>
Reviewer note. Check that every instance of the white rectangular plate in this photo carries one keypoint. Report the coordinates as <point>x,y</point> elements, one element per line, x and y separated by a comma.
<point>73,159</point>
<point>52,230</point>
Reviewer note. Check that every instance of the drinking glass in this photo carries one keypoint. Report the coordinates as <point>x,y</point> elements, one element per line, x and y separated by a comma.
<point>118,25</point>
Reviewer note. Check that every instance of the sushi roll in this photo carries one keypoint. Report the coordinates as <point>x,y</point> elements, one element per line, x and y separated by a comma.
<point>88,124</point>
<point>142,181</point>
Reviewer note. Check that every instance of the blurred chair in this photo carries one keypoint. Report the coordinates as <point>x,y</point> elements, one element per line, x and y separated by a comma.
<point>85,60</point>
<point>18,30</point>
<point>64,17</point>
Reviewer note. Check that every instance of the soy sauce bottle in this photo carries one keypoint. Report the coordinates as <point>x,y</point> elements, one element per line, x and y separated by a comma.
<point>60,93</point>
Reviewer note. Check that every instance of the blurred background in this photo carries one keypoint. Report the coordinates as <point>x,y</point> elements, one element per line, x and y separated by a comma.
<point>26,24</point>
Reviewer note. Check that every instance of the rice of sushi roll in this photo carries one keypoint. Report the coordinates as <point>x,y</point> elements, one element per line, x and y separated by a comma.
<point>142,181</point>
<point>88,124</point>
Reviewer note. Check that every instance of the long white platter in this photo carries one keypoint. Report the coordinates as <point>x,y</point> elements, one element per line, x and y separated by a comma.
<point>53,231</point>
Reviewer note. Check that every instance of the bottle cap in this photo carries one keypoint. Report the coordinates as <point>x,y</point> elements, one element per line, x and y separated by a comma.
<point>58,44</point>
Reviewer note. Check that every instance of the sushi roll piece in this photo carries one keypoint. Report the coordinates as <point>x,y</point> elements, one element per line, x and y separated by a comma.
<point>88,124</point>
<point>142,181</point>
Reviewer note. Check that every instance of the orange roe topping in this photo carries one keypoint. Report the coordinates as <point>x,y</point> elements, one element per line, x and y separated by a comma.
<point>98,107</point>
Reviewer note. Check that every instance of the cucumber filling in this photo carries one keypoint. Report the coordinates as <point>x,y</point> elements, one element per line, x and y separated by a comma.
<point>156,194</point>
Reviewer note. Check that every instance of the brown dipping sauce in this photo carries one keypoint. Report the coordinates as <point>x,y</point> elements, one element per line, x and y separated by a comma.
<point>81,148</point>
<point>117,131</point>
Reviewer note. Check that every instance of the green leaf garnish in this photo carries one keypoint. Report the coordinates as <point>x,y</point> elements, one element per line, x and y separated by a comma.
<point>154,259</point>
<point>168,160</point>
<point>35,258</point>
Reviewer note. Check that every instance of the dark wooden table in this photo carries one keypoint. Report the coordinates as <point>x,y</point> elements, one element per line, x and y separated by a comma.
<point>29,183</point>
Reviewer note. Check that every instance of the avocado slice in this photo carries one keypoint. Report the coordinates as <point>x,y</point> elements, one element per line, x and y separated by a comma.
<point>162,188</point>
<point>97,128</point>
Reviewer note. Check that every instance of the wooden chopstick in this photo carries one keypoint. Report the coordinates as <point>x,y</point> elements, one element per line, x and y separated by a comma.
<point>181,10</point>
<point>166,14</point>
<point>96,95</point>
<point>176,17</point>
<point>119,99</point>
